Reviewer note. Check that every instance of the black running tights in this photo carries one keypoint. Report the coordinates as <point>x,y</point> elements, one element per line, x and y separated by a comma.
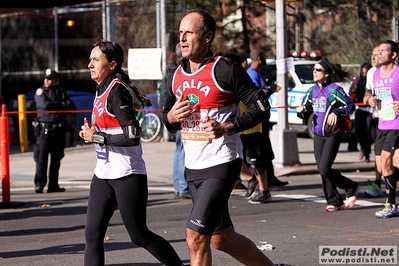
<point>325,151</point>
<point>130,194</point>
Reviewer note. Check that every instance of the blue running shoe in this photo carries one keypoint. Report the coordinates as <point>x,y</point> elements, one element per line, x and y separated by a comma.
<point>390,210</point>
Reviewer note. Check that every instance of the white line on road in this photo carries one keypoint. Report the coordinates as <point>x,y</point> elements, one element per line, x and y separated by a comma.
<point>87,186</point>
<point>304,197</point>
<point>317,199</point>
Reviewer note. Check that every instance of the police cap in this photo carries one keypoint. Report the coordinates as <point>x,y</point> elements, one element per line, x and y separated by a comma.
<point>50,74</point>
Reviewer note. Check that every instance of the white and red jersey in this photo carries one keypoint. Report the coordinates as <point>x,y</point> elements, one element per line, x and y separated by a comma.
<point>114,161</point>
<point>208,99</point>
<point>101,117</point>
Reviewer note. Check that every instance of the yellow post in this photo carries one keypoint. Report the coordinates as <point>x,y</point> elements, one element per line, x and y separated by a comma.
<point>23,123</point>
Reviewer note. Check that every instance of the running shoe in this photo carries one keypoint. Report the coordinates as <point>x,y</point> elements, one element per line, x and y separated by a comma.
<point>351,197</point>
<point>390,210</point>
<point>333,208</point>
<point>261,197</point>
<point>373,191</point>
<point>251,187</point>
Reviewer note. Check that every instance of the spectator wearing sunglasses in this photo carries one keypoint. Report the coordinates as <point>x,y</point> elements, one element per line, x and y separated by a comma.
<point>331,108</point>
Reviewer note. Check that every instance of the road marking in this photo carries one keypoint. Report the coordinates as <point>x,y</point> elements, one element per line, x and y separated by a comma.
<point>86,185</point>
<point>316,199</point>
<point>32,188</point>
<point>304,197</point>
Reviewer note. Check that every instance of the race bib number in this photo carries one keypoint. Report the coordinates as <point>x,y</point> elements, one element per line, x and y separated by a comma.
<point>384,104</point>
<point>101,152</point>
<point>191,129</point>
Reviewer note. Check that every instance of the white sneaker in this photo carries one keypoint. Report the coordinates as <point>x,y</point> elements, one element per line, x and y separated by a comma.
<point>351,197</point>
<point>333,208</point>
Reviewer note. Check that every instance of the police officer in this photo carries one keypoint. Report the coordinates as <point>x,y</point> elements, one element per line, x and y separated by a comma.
<point>50,131</point>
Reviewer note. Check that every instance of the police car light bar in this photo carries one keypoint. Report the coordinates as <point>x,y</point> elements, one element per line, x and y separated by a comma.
<point>313,55</point>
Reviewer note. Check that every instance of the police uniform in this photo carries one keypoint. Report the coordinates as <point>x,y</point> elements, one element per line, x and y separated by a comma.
<point>50,131</point>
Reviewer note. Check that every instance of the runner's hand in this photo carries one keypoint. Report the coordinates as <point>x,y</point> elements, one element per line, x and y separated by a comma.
<point>372,101</point>
<point>180,110</point>
<point>212,128</point>
<point>300,109</point>
<point>395,106</point>
<point>331,119</point>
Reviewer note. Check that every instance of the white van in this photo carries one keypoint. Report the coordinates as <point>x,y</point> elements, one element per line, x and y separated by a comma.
<point>299,81</point>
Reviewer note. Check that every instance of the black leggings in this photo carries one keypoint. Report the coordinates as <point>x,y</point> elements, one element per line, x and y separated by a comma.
<point>130,194</point>
<point>325,151</point>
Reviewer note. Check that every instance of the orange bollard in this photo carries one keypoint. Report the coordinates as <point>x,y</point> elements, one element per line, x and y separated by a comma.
<point>5,155</point>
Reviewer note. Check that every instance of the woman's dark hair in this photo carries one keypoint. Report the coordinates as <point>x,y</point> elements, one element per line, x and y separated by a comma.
<point>208,22</point>
<point>335,70</point>
<point>114,52</point>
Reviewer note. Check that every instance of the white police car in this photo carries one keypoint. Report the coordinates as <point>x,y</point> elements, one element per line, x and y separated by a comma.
<point>299,81</point>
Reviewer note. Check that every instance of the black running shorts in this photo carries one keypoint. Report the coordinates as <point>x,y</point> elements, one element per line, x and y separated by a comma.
<point>387,140</point>
<point>210,214</point>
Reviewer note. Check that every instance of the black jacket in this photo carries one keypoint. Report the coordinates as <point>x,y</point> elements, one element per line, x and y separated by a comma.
<point>53,98</point>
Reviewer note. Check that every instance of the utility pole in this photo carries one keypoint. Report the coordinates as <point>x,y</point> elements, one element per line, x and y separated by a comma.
<point>286,151</point>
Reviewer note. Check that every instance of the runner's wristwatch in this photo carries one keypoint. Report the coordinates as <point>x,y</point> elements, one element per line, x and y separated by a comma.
<point>229,129</point>
<point>97,138</point>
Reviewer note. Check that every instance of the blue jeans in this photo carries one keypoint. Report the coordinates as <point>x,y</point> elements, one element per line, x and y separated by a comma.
<point>179,176</point>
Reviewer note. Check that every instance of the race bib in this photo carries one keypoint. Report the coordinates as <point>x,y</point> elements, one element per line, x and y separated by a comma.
<point>191,129</point>
<point>320,104</point>
<point>384,104</point>
<point>101,152</point>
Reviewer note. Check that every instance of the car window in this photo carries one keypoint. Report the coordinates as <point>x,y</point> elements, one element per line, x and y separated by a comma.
<point>305,73</point>
<point>269,74</point>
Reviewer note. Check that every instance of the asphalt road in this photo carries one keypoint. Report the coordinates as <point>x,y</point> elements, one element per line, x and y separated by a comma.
<point>48,229</point>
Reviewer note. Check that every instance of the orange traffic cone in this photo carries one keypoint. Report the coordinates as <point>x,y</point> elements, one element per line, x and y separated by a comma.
<point>12,131</point>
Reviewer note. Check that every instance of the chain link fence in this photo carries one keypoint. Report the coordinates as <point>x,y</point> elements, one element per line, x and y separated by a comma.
<point>344,35</point>
<point>61,38</point>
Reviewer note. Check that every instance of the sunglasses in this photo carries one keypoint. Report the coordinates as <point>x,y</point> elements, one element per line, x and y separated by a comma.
<point>318,69</point>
